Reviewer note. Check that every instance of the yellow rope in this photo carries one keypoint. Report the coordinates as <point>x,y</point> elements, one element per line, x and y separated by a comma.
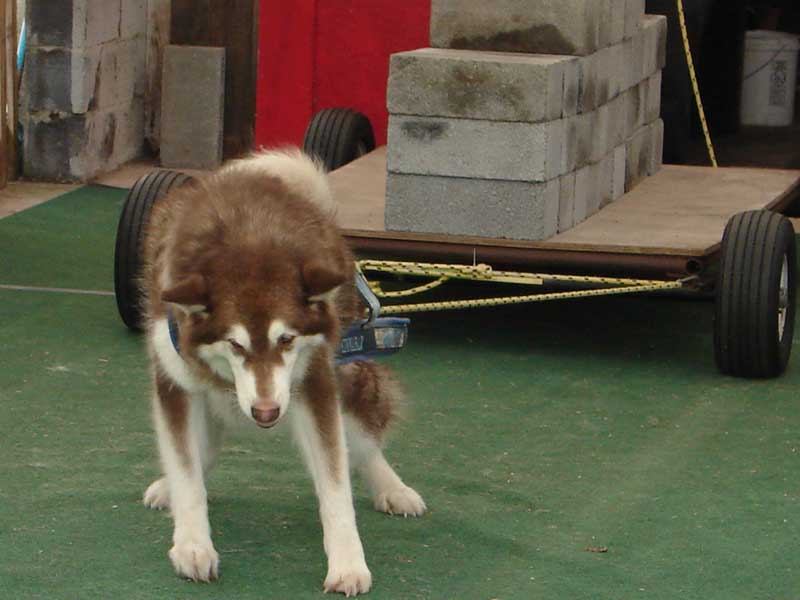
<point>507,300</point>
<point>379,291</point>
<point>695,86</point>
<point>483,272</point>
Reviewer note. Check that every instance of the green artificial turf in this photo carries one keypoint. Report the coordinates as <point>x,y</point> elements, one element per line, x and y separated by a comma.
<point>535,433</point>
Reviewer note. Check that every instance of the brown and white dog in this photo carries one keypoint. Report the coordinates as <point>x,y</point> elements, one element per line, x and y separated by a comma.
<point>247,272</point>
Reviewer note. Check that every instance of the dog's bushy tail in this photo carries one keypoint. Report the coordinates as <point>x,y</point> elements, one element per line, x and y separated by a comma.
<point>371,394</point>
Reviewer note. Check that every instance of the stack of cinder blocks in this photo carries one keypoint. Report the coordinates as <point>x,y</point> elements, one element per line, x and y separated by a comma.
<point>525,118</point>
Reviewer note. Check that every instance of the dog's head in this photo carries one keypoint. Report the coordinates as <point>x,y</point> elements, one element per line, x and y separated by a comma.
<point>259,333</point>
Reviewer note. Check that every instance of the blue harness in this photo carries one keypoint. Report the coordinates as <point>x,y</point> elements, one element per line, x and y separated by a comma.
<point>366,339</point>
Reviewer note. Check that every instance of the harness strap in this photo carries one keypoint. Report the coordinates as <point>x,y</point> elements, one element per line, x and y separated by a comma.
<point>172,325</point>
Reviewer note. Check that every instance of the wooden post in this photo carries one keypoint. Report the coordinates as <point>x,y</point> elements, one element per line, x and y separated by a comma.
<point>11,89</point>
<point>4,157</point>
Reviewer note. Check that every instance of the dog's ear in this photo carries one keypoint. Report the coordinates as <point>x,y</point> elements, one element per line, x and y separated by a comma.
<point>323,275</point>
<point>190,294</point>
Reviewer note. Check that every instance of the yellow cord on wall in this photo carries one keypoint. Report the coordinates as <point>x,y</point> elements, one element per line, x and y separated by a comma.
<point>693,76</point>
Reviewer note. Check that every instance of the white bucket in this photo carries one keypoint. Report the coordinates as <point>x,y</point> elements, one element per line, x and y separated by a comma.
<point>769,78</point>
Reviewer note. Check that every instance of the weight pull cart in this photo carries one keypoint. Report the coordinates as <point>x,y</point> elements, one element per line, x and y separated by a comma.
<point>694,229</point>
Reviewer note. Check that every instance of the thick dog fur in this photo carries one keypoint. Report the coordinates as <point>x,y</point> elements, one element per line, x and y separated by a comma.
<point>249,264</point>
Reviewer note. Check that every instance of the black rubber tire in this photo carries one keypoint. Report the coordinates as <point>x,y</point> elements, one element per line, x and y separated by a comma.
<point>747,338</point>
<point>338,136</point>
<point>130,233</point>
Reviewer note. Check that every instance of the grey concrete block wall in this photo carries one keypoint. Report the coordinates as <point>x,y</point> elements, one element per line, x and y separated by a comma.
<point>192,107</point>
<point>84,75</point>
<point>585,194</point>
<point>657,149</point>
<point>480,85</point>
<point>133,18</point>
<point>566,203</point>
<point>653,98</point>
<point>634,11</point>
<point>619,10</point>
<point>474,207</point>
<point>639,159</point>
<point>566,27</point>
<point>654,32</point>
<point>475,148</point>
<point>49,24</point>
<point>578,144</point>
<point>96,21</point>
<point>620,164</point>
<point>608,137</point>
<point>604,173</point>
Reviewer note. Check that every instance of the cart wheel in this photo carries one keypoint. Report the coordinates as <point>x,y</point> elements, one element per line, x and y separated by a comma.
<point>130,233</point>
<point>756,292</point>
<point>338,136</point>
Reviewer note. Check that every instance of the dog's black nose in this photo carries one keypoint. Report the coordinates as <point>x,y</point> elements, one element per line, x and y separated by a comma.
<point>266,415</point>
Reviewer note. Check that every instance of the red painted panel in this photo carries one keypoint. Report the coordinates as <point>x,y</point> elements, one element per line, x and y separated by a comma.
<point>284,93</point>
<point>325,53</point>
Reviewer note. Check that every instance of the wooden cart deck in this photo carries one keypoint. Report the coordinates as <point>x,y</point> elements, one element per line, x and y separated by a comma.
<point>672,221</point>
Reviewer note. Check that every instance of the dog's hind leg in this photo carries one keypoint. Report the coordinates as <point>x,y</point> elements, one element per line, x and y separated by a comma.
<point>181,426</point>
<point>371,397</point>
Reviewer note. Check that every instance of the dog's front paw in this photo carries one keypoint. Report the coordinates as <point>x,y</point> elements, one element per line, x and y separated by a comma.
<point>195,560</point>
<point>157,494</point>
<point>350,581</point>
<point>400,501</point>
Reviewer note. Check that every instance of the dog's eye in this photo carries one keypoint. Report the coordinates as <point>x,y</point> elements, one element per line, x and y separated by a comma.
<point>236,345</point>
<point>285,341</point>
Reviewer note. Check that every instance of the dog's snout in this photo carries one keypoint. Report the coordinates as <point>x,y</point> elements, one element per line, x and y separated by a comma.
<point>265,414</point>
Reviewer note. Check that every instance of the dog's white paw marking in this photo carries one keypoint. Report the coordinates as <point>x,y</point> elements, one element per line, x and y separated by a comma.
<point>350,580</point>
<point>400,501</point>
<point>157,494</point>
<point>196,560</point>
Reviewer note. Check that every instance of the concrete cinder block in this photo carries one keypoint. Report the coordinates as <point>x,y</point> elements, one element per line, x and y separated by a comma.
<point>654,35</point>
<point>635,109</point>
<point>572,83</point>
<point>602,77</point>
<point>653,95</point>
<point>617,121</point>
<point>571,27</point>
<point>600,133</point>
<point>113,137</point>
<point>586,197</point>
<point>479,85</point>
<point>65,146</point>
<point>588,82</point>
<point>604,174</point>
<point>95,22</point>
<point>618,178</point>
<point>478,149</point>
<point>633,59</point>
<point>578,144</point>
<point>566,203</point>
<point>47,80</point>
<point>476,207</point>
<point>99,77</point>
<point>49,24</point>
<point>657,148</point>
<point>133,18</point>
<point>619,10</point>
<point>634,12</point>
<point>639,157</point>
<point>192,107</point>
<point>51,139</point>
